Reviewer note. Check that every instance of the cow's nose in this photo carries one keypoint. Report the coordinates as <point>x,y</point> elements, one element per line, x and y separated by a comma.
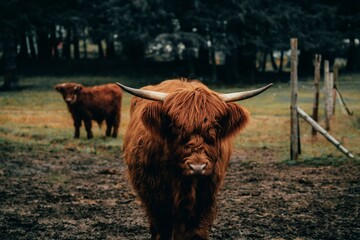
<point>197,168</point>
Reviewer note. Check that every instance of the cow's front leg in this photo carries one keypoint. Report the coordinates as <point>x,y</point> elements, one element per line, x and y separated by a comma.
<point>77,125</point>
<point>87,124</point>
<point>162,233</point>
<point>182,232</point>
<point>108,127</point>
<point>197,227</point>
<point>200,234</point>
<point>115,125</point>
<point>160,228</point>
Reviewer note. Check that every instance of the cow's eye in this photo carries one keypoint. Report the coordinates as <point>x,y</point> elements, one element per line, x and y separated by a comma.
<point>211,136</point>
<point>217,128</point>
<point>185,141</point>
<point>210,140</point>
<point>175,129</point>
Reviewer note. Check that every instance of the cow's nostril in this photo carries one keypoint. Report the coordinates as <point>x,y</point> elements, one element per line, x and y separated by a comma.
<point>197,168</point>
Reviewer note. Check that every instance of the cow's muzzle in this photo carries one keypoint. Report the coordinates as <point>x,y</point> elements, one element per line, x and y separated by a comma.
<point>196,165</point>
<point>197,169</point>
<point>71,100</point>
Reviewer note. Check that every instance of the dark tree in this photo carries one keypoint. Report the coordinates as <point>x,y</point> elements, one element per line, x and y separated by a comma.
<point>238,29</point>
<point>348,24</point>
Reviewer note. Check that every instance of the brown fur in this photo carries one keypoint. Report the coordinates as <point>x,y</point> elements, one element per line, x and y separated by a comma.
<point>97,103</point>
<point>192,126</point>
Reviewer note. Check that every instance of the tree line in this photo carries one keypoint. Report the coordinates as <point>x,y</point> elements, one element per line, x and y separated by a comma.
<point>186,30</point>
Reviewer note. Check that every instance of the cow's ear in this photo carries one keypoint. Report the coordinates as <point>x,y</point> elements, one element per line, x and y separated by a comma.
<point>78,88</point>
<point>234,121</point>
<point>152,118</point>
<point>59,87</point>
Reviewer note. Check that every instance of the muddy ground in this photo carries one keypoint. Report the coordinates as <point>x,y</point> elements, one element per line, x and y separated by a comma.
<point>69,194</point>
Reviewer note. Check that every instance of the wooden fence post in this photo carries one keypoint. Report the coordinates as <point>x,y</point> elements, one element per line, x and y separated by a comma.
<point>342,102</point>
<point>294,131</point>
<point>315,114</point>
<point>326,94</point>
<point>334,94</point>
<point>324,133</point>
<point>330,94</point>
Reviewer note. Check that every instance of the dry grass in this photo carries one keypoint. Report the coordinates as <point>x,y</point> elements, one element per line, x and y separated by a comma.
<point>270,126</point>
<point>38,115</point>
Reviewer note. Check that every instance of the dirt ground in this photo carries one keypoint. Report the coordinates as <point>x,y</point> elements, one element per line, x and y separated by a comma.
<point>47,194</point>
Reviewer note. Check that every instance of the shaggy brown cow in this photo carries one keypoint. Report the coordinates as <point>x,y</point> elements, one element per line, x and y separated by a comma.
<point>97,103</point>
<point>177,150</point>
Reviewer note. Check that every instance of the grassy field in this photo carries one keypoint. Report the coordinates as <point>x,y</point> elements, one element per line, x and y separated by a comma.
<point>37,115</point>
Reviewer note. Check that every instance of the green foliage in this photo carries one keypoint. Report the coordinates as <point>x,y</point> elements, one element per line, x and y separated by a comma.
<point>262,24</point>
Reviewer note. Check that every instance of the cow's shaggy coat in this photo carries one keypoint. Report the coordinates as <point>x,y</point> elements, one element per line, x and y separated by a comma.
<point>97,103</point>
<point>177,152</point>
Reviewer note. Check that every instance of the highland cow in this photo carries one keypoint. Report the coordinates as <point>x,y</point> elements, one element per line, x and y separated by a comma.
<point>97,103</point>
<point>177,149</point>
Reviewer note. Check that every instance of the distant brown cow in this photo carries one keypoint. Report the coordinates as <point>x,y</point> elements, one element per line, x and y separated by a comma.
<point>97,103</point>
<point>177,148</point>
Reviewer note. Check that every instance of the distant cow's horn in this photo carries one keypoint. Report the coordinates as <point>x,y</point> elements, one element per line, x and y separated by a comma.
<point>147,94</point>
<point>238,96</point>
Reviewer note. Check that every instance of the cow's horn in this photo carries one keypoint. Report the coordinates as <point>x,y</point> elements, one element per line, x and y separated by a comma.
<point>147,94</point>
<point>238,96</point>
